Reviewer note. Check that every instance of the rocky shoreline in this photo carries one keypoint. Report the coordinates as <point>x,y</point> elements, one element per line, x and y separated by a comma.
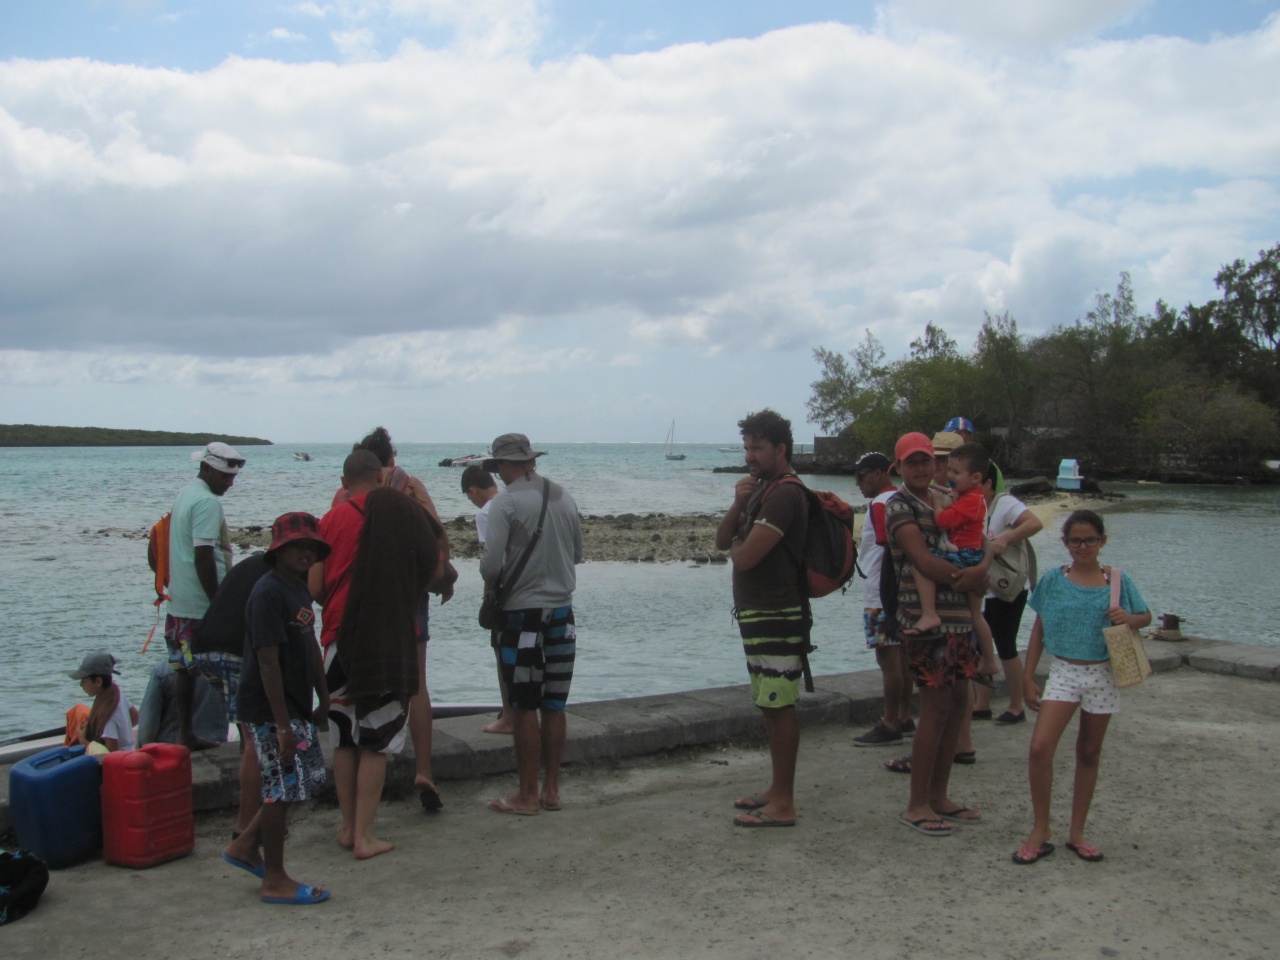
<point>669,538</point>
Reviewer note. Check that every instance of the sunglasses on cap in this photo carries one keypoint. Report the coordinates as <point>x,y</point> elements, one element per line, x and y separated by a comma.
<point>234,463</point>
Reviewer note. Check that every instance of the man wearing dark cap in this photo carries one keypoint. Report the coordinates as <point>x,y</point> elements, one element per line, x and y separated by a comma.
<point>872,473</point>
<point>199,557</point>
<point>535,634</point>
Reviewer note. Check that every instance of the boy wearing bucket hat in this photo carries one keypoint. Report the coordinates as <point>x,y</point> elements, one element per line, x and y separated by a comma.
<point>281,671</point>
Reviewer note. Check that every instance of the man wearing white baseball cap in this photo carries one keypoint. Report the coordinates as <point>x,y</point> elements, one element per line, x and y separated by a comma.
<point>199,557</point>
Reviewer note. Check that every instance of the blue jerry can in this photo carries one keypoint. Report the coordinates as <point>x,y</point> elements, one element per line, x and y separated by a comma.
<point>55,799</point>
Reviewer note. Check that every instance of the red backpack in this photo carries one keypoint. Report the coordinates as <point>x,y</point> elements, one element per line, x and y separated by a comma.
<point>829,551</point>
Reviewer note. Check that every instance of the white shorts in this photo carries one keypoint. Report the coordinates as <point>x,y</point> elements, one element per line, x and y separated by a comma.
<point>1089,684</point>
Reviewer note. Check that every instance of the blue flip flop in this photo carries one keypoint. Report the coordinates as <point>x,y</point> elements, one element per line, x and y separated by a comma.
<point>259,871</point>
<point>305,896</point>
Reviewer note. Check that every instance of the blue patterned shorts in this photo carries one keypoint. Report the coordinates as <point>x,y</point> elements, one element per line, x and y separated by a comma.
<point>289,783</point>
<point>222,670</point>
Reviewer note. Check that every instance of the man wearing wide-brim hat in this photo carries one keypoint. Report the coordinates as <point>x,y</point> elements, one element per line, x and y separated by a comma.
<point>535,636</point>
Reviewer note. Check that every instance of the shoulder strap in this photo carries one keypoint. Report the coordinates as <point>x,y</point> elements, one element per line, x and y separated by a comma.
<point>1115,586</point>
<point>533,541</point>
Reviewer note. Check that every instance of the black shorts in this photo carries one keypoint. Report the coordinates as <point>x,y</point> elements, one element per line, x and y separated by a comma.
<point>1004,617</point>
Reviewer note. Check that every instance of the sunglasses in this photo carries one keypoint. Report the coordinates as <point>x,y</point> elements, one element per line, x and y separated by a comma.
<point>234,462</point>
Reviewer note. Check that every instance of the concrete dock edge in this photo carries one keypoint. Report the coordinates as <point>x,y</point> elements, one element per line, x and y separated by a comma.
<point>611,730</point>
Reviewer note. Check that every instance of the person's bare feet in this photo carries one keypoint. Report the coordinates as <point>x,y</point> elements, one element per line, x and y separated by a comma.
<point>345,838</point>
<point>372,847</point>
<point>928,623</point>
<point>502,725</point>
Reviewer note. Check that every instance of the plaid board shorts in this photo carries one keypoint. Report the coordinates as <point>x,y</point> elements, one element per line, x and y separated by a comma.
<point>178,632</point>
<point>222,670</point>
<point>537,648</point>
<point>294,782</point>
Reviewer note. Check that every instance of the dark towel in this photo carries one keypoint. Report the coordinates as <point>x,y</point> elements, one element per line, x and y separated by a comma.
<point>394,561</point>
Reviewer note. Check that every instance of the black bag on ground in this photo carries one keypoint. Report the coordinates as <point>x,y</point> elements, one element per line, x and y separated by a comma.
<point>23,877</point>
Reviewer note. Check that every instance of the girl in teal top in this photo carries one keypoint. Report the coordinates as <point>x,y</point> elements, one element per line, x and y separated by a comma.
<point>1073,605</point>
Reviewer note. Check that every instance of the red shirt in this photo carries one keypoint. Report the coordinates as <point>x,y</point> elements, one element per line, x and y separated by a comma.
<point>965,519</point>
<point>340,528</point>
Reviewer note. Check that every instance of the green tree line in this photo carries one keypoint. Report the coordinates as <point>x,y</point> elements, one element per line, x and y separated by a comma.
<point>34,435</point>
<point>1194,391</point>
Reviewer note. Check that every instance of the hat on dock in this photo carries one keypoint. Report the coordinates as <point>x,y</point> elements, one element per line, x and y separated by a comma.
<point>292,527</point>
<point>100,664</point>
<point>511,446</point>
<point>221,456</point>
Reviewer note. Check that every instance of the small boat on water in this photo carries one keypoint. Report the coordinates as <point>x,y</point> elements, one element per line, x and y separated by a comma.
<point>301,455</point>
<point>463,460</point>
<point>671,453</point>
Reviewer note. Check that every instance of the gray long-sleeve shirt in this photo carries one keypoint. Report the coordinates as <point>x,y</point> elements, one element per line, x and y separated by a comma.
<point>549,578</point>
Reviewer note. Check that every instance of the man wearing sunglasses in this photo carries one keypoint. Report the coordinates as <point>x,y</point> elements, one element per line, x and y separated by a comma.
<point>199,557</point>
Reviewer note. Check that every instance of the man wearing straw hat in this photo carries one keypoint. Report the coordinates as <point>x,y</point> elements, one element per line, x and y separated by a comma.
<point>535,521</point>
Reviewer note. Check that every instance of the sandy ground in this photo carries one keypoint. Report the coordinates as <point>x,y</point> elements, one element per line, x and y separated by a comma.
<point>644,862</point>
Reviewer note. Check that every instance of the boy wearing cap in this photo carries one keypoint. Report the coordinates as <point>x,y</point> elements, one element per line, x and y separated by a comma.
<point>281,671</point>
<point>199,556</point>
<point>872,474</point>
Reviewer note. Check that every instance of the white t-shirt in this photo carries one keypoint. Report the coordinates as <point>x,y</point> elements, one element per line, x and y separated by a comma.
<point>119,726</point>
<point>482,521</point>
<point>870,552</point>
<point>1003,515</point>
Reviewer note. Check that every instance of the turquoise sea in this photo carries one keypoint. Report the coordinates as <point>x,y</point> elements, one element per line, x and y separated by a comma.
<point>75,579</point>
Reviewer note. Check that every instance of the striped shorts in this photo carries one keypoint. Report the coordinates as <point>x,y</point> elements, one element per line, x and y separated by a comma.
<point>537,648</point>
<point>774,643</point>
<point>379,724</point>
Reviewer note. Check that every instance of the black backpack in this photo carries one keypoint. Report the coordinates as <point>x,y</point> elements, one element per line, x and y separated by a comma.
<point>23,877</point>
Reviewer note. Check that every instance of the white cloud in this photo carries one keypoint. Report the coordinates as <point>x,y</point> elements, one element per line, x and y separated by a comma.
<point>450,218</point>
<point>284,35</point>
<point>1016,22</point>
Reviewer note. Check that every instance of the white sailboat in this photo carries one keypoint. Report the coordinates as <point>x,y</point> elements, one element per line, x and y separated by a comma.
<point>671,440</point>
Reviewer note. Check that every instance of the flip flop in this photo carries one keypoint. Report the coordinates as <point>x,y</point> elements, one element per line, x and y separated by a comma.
<point>966,759</point>
<point>305,896</point>
<point>1032,856</point>
<point>1079,850</point>
<point>940,829</point>
<point>753,802</point>
<point>549,807</point>
<point>899,764</point>
<point>954,815</point>
<point>758,818</point>
<point>258,871</point>
<point>500,805</point>
<point>430,798</point>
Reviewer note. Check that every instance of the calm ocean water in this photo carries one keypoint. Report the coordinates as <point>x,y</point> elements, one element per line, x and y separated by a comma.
<point>75,579</point>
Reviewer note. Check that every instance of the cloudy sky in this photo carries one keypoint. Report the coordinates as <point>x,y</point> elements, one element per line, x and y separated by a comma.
<point>583,219</point>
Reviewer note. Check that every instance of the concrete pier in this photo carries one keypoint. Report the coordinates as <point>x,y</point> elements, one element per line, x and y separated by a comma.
<point>644,862</point>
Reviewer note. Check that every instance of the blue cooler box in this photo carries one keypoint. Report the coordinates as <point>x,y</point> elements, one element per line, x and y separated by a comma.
<point>55,798</point>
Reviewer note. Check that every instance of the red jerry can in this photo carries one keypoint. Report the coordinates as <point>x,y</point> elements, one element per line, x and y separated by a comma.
<point>146,805</point>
